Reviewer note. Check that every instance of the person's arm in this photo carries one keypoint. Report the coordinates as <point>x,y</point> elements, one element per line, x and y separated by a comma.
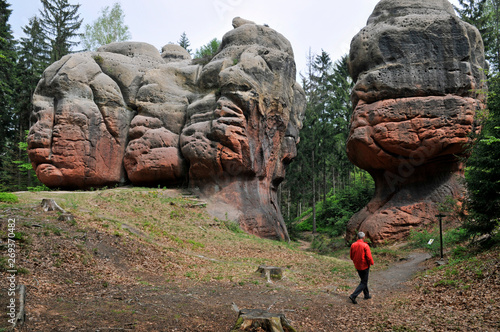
<point>369,257</point>
<point>352,253</point>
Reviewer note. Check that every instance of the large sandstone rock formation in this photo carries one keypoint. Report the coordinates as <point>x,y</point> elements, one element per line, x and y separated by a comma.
<point>419,81</point>
<point>130,113</point>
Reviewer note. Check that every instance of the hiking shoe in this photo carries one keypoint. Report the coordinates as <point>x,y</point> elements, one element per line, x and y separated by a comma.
<point>368,297</point>
<point>353,300</point>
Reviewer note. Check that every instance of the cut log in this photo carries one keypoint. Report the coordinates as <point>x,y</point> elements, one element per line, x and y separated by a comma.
<point>21,315</point>
<point>270,272</point>
<point>261,320</point>
<point>48,204</point>
<point>14,303</point>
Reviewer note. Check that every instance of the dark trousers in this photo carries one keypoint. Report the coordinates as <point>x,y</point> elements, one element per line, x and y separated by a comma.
<point>363,285</point>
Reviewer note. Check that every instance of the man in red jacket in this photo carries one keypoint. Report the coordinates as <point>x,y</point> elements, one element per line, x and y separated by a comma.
<point>362,258</point>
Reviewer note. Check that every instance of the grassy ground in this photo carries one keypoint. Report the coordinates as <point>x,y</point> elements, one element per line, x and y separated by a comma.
<point>154,260</point>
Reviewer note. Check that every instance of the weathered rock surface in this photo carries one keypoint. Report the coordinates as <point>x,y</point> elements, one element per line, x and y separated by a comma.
<point>419,73</point>
<point>128,113</point>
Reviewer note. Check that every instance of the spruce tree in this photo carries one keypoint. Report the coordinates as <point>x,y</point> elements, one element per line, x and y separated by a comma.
<point>483,173</point>
<point>60,22</point>
<point>325,129</point>
<point>184,42</point>
<point>8,87</point>
<point>8,76</point>
<point>34,57</point>
<point>485,16</point>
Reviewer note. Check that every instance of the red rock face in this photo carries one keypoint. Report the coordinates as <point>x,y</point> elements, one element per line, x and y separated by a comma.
<point>238,142</point>
<point>78,142</point>
<point>128,114</point>
<point>419,77</point>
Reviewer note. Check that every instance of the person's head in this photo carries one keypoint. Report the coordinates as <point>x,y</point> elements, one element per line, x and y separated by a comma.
<point>361,235</point>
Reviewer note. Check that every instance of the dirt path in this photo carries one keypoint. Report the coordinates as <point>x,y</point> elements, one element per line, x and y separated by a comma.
<point>396,275</point>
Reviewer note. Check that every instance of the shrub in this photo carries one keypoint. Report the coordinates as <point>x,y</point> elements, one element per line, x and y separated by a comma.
<point>8,198</point>
<point>334,213</point>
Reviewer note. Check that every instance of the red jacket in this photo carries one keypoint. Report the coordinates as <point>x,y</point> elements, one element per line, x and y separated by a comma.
<point>361,255</point>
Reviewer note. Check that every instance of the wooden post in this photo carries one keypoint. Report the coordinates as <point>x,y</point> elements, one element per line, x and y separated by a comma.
<point>441,216</point>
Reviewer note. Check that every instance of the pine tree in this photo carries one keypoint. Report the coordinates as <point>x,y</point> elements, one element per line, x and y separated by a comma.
<point>60,22</point>
<point>325,129</point>
<point>34,57</point>
<point>184,42</point>
<point>8,77</point>
<point>110,27</point>
<point>8,86</point>
<point>485,16</point>
<point>483,173</point>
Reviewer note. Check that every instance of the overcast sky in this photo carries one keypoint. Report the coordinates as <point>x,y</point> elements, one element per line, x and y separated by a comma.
<point>308,24</point>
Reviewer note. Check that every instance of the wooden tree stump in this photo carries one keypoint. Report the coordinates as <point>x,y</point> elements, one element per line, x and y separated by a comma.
<point>48,204</point>
<point>68,217</point>
<point>270,272</point>
<point>261,320</point>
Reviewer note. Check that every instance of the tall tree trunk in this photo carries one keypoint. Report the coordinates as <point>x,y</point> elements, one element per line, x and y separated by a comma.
<point>324,180</point>
<point>19,157</point>
<point>333,180</point>
<point>288,203</point>
<point>314,194</point>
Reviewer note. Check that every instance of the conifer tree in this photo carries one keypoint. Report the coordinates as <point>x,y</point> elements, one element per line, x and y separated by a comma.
<point>34,57</point>
<point>8,76</point>
<point>482,171</point>
<point>184,42</point>
<point>485,16</point>
<point>321,167</point>
<point>8,86</point>
<point>60,22</point>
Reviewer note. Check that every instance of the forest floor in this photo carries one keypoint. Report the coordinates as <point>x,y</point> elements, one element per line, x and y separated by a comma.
<point>153,260</point>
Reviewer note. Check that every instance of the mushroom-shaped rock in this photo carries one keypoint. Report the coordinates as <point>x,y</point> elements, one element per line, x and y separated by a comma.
<point>419,81</point>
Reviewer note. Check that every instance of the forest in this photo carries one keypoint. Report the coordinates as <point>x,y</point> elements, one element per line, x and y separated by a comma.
<point>322,188</point>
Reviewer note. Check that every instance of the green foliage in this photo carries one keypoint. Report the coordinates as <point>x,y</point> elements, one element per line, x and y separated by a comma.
<point>483,173</point>
<point>334,213</point>
<point>184,42</point>
<point>485,15</point>
<point>8,198</point>
<point>231,226</point>
<point>41,187</point>
<point>8,78</point>
<point>60,22</point>
<point>108,28</point>
<point>321,165</point>
<point>208,51</point>
<point>16,170</point>
<point>451,238</point>
<point>34,57</point>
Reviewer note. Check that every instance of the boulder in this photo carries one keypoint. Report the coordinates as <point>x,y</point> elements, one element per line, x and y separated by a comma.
<point>419,81</point>
<point>127,113</point>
